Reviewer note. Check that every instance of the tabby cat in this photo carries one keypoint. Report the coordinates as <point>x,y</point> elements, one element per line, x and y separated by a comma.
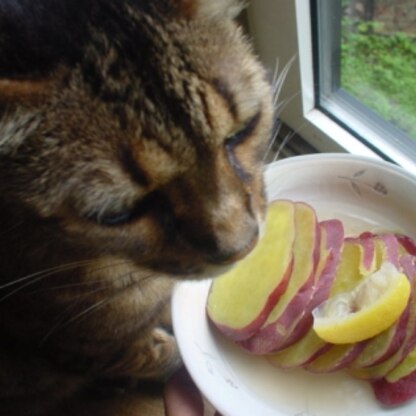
<point>132,135</point>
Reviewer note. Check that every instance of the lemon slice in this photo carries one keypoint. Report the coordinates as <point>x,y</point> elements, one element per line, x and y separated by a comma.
<point>370,308</point>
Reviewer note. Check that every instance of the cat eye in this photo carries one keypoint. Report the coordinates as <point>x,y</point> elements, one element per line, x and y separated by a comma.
<point>239,137</point>
<point>119,218</point>
<point>236,139</point>
<point>154,203</point>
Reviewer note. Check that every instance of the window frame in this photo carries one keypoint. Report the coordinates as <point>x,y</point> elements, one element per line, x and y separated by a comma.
<point>336,102</point>
<point>283,29</point>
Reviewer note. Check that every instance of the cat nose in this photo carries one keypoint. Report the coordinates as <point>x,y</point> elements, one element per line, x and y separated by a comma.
<point>228,255</point>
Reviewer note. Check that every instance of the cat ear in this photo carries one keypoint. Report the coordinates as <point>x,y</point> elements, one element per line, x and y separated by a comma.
<point>211,8</point>
<point>18,101</point>
<point>14,129</point>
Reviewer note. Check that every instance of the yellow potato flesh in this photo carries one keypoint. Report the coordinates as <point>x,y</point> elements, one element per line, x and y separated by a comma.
<point>303,257</point>
<point>300,352</point>
<point>238,297</point>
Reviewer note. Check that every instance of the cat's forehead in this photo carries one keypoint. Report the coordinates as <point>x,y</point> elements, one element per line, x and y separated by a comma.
<point>173,66</point>
<point>150,98</point>
<point>193,75</point>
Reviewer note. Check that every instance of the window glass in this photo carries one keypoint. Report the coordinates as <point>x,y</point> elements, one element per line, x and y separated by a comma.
<point>339,95</point>
<point>366,69</point>
<point>378,58</point>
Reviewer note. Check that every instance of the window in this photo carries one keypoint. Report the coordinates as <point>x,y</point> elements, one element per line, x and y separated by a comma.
<point>326,105</point>
<point>366,70</point>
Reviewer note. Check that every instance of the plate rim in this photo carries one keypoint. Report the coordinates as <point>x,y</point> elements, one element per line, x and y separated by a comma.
<point>283,163</point>
<point>344,157</point>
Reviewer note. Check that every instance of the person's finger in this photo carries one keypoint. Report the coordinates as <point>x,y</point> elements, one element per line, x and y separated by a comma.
<point>182,397</point>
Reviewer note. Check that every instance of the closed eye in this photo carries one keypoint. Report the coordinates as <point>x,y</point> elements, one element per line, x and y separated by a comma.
<point>154,203</point>
<point>123,216</point>
<point>119,218</point>
<point>115,219</point>
<point>244,133</point>
<point>235,140</point>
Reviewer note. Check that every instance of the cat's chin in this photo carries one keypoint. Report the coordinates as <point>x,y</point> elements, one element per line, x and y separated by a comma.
<point>212,271</point>
<point>206,271</point>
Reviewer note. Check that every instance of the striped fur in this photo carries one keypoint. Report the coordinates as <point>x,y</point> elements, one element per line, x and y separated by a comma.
<point>132,135</point>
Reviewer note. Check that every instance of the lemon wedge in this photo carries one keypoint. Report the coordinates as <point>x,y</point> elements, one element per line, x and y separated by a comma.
<point>368,309</point>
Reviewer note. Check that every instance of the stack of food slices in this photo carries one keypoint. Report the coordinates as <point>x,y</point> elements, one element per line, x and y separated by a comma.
<point>309,296</point>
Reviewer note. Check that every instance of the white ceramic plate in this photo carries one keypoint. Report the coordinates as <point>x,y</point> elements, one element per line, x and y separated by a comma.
<point>366,195</point>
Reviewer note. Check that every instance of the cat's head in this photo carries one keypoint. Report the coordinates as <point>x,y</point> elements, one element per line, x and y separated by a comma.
<point>131,129</point>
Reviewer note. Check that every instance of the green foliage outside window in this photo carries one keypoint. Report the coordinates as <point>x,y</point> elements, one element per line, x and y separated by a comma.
<point>380,71</point>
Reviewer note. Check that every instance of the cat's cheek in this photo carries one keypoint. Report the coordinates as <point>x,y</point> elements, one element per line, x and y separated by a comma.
<point>257,192</point>
<point>258,201</point>
<point>178,260</point>
<point>140,239</point>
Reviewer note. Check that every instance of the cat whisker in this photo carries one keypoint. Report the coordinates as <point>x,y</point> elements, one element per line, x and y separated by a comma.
<point>91,309</point>
<point>104,302</point>
<point>279,108</point>
<point>287,139</point>
<point>276,72</point>
<point>276,130</point>
<point>282,145</point>
<point>81,284</point>
<point>48,272</point>
<point>277,85</point>
<point>38,276</point>
<point>62,323</point>
<point>278,81</point>
<point>64,315</point>
<point>67,286</point>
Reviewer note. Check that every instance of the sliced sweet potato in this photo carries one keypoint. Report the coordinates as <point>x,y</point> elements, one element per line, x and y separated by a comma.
<point>298,293</point>
<point>240,301</point>
<point>332,239</point>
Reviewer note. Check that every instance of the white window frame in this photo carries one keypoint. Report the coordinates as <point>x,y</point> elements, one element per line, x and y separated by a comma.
<point>281,30</point>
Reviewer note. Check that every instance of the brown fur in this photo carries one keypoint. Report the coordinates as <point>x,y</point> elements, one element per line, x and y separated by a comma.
<point>173,132</point>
